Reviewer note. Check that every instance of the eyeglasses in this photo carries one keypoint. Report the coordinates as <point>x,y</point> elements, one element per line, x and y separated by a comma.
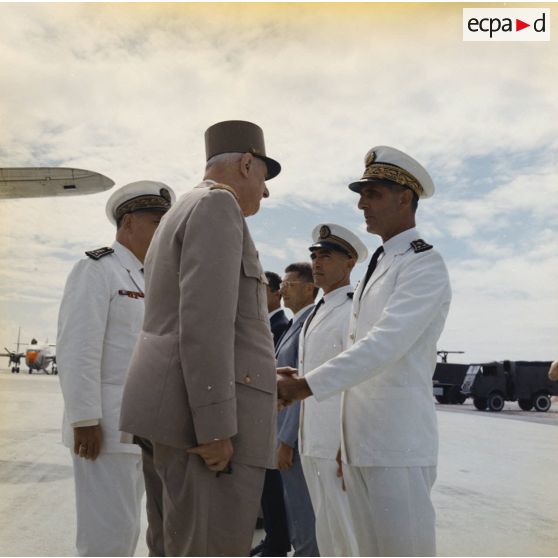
<point>286,284</point>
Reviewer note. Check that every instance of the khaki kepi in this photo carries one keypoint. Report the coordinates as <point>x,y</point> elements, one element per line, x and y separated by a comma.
<point>239,136</point>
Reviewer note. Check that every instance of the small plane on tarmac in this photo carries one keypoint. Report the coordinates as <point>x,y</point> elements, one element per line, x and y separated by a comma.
<point>41,182</point>
<point>37,358</point>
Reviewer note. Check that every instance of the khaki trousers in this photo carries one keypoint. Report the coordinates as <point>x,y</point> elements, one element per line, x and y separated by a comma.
<point>391,510</point>
<point>154,499</point>
<point>194,512</point>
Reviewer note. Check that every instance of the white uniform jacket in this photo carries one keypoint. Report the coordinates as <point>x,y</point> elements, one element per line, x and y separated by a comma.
<point>387,412</point>
<point>325,337</point>
<point>100,317</point>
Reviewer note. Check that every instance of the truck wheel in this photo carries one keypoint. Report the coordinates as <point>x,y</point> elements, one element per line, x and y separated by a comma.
<point>442,399</point>
<point>542,402</point>
<point>460,398</point>
<point>495,402</point>
<point>525,404</point>
<point>454,395</point>
<point>479,403</point>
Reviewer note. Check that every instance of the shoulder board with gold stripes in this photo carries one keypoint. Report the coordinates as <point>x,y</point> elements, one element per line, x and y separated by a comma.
<point>99,253</point>
<point>420,246</point>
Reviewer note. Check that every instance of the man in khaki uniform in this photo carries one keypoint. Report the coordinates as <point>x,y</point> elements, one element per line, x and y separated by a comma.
<point>201,387</point>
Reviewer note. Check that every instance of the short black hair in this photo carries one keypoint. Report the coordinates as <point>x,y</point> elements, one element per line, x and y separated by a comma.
<point>304,270</point>
<point>400,188</point>
<point>274,280</point>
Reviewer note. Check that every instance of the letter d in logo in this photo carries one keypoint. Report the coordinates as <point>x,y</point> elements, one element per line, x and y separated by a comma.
<point>540,24</point>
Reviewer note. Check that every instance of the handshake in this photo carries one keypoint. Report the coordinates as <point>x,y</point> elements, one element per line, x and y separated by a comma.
<point>290,387</point>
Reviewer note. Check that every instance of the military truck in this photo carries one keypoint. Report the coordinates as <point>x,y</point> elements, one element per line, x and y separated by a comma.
<point>447,381</point>
<point>492,384</point>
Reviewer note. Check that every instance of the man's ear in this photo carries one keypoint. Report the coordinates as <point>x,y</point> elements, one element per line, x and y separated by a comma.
<point>246,162</point>
<point>351,263</point>
<point>126,222</point>
<point>406,197</point>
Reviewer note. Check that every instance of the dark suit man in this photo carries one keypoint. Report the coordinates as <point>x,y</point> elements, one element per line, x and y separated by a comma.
<point>201,383</point>
<point>298,292</point>
<point>276,541</point>
<point>277,318</point>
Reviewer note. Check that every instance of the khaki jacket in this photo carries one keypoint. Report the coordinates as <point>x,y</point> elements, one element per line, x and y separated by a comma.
<point>204,366</point>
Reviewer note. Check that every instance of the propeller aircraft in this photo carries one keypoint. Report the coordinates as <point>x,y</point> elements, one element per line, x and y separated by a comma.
<point>37,358</point>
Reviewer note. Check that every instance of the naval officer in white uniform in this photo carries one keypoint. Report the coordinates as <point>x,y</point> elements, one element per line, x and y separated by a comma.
<point>334,253</point>
<point>389,436</point>
<point>100,316</point>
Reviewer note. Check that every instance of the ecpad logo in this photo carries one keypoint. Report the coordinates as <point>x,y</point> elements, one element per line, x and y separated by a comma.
<point>506,24</point>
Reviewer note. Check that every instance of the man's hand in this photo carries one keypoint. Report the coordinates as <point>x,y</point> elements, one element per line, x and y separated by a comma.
<point>290,387</point>
<point>340,469</point>
<point>285,456</point>
<point>287,370</point>
<point>87,441</point>
<point>216,454</point>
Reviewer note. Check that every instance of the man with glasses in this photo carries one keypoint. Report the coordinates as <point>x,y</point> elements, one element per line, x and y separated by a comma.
<point>298,291</point>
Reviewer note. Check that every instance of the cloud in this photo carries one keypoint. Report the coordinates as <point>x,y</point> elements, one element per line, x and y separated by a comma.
<point>128,90</point>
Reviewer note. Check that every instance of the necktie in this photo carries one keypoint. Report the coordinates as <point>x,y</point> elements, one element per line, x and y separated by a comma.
<point>314,312</point>
<point>371,267</point>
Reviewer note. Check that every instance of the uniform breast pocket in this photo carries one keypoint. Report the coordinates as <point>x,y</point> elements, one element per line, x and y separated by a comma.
<point>252,296</point>
<point>127,312</point>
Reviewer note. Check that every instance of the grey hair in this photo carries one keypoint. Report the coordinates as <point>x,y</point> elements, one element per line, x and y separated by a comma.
<point>223,158</point>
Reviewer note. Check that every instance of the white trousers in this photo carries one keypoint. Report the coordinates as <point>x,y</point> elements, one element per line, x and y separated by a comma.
<point>334,525</point>
<point>392,510</point>
<point>108,503</point>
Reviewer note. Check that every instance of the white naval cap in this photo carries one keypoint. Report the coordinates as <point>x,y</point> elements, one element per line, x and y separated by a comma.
<point>336,237</point>
<point>388,163</point>
<point>137,196</point>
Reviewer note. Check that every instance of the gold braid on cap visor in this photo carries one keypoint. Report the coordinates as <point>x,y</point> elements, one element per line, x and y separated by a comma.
<point>382,171</point>
<point>141,202</point>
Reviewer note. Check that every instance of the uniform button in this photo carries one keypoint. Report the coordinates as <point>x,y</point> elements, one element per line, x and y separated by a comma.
<point>352,337</point>
<point>247,379</point>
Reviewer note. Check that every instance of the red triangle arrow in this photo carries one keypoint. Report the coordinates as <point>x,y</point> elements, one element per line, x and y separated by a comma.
<point>519,25</point>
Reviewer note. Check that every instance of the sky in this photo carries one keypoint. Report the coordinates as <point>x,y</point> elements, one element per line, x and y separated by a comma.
<point>129,89</point>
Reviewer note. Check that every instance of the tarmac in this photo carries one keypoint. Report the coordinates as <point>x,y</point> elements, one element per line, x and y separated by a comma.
<point>496,492</point>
